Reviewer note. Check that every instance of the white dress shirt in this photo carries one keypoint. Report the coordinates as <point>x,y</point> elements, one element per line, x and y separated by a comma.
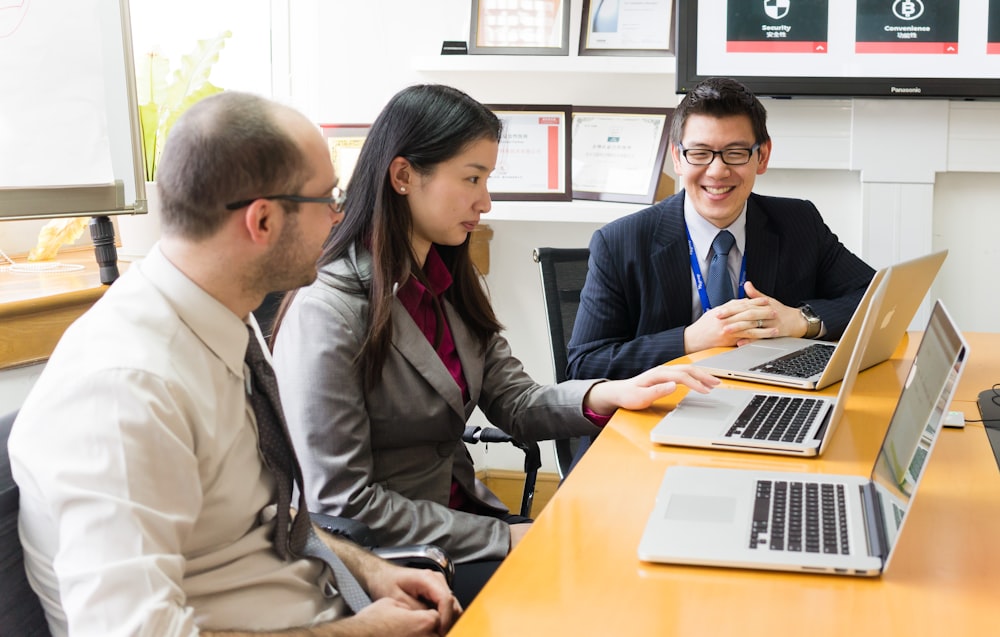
<point>141,483</point>
<point>702,235</point>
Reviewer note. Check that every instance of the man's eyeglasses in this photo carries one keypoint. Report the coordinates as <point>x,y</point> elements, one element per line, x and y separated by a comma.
<point>730,156</point>
<point>335,201</point>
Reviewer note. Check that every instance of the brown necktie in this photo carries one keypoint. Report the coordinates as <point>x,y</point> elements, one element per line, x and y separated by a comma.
<point>276,448</point>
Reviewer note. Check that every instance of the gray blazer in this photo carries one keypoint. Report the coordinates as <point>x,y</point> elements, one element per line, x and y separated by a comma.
<point>387,456</point>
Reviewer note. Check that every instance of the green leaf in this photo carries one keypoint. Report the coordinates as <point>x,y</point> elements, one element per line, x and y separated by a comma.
<point>151,71</point>
<point>195,68</point>
<point>168,118</point>
<point>149,121</point>
<point>161,101</point>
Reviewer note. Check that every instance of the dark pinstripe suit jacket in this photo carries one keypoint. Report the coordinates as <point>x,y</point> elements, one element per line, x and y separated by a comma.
<point>637,298</point>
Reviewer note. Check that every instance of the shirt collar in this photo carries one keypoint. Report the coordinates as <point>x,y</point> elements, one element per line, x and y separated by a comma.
<point>213,323</point>
<point>703,232</point>
<point>437,275</point>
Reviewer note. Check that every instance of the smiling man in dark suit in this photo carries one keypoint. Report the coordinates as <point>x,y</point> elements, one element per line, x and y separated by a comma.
<point>715,264</point>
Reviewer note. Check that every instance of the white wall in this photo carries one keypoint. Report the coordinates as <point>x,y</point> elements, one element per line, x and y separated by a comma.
<point>966,222</point>
<point>15,385</point>
<point>893,178</point>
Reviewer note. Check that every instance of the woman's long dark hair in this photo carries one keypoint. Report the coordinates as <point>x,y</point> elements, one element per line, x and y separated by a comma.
<point>425,124</point>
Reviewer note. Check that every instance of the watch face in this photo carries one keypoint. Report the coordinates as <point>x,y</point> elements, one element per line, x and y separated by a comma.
<point>812,321</point>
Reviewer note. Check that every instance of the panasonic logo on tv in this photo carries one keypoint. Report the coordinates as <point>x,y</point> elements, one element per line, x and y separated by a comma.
<point>905,89</point>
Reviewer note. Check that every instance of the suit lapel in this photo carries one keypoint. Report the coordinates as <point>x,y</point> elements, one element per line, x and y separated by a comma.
<point>671,264</point>
<point>412,345</point>
<point>761,250</point>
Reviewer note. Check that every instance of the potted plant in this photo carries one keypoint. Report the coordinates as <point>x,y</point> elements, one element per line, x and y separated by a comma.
<point>163,96</point>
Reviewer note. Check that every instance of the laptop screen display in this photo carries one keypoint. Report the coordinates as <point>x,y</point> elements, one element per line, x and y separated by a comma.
<point>915,424</point>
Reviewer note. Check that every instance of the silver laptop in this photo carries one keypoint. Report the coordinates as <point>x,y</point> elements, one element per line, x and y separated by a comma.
<point>768,422</point>
<point>809,364</point>
<point>812,522</point>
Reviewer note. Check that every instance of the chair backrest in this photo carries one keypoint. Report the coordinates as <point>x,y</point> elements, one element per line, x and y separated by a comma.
<point>20,611</point>
<point>267,312</point>
<point>563,271</point>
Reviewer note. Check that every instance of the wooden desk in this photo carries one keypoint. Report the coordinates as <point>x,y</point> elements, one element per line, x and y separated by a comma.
<point>576,572</point>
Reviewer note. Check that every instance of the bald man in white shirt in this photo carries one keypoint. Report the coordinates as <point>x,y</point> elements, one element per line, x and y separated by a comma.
<point>146,506</point>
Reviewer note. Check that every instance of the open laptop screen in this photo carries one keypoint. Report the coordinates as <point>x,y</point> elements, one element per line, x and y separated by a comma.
<point>926,394</point>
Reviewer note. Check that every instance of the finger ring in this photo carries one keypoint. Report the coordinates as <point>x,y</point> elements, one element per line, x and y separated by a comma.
<point>760,323</point>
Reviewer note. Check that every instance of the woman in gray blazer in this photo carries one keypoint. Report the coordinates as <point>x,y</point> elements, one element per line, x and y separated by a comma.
<point>383,358</point>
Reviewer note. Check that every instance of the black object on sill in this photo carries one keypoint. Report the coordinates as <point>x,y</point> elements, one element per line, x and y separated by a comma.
<point>454,47</point>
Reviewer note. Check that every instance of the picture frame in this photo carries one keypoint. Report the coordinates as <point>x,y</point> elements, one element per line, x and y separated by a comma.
<point>525,27</point>
<point>618,153</point>
<point>617,27</point>
<point>345,142</point>
<point>533,163</point>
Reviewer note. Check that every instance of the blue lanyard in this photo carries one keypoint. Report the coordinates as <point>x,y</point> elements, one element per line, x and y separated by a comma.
<point>699,281</point>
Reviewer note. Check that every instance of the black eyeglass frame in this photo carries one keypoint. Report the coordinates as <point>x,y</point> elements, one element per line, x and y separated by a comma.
<point>336,201</point>
<point>719,153</point>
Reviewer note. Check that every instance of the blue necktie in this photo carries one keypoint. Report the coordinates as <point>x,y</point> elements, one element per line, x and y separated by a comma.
<point>719,284</point>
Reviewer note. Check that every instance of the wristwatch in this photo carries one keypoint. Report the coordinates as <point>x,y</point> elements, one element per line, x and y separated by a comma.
<point>813,323</point>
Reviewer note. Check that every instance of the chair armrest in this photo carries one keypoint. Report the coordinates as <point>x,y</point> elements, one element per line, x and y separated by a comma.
<point>426,556</point>
<point>357,532</point>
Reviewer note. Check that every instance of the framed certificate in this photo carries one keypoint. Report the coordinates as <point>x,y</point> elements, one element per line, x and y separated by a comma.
<point>627,27</point>
<point>519,27</point>
<point>533,162</point>
<point>618,153</point>
<point>344,141</point>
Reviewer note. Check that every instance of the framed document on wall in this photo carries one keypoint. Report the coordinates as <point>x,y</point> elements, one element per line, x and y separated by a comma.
<point>627,27</point>
<point>533,162</point>
<point>344,141</point>
<point>519,27</point>
<point>618,152</point>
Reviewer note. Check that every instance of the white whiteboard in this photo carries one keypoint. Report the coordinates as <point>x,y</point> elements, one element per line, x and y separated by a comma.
<point>69,139</point>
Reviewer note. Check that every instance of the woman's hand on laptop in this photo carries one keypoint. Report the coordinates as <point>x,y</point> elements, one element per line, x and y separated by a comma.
<point>641,391</point>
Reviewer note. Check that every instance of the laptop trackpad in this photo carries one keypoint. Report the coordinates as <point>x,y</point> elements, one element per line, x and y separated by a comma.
<point>765,345</point>
<point>701,508</point>
<point>711,414</point>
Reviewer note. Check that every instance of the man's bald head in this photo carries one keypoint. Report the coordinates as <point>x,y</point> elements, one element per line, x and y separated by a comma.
<point>228,147</point>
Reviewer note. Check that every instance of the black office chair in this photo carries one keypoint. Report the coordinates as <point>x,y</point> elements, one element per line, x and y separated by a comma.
<point>563,272</point>
<point>20,611</point>
<point>532,458</point>
<point>267,312</point>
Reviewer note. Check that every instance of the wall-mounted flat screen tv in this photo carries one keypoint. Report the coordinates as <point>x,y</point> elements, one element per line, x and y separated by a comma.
<point>843,48</point>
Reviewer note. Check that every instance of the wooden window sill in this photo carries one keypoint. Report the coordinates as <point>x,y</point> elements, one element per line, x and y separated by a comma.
<point>36,308</point>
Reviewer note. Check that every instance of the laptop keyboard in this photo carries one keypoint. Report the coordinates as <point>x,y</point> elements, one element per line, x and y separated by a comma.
<point>804,363</point>
<point>776,418</point>
<point>800,516</point>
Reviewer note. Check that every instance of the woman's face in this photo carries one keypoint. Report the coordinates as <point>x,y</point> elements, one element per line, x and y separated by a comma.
<point>447,203</point>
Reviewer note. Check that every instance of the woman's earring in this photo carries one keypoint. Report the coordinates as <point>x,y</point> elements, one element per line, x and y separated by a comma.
<point>402,189</point>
